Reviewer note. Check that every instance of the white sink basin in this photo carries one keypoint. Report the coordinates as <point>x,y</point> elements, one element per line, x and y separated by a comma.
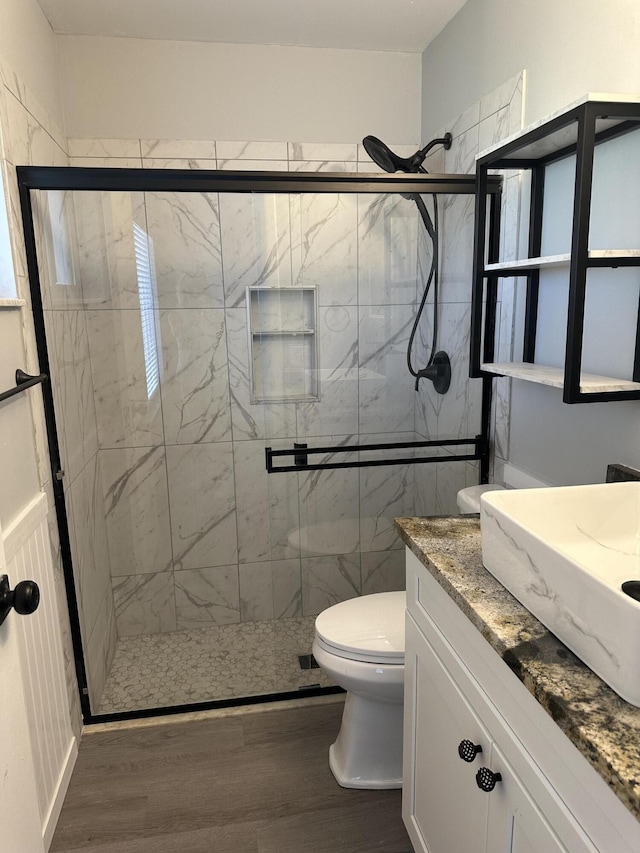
<point>564,553</point>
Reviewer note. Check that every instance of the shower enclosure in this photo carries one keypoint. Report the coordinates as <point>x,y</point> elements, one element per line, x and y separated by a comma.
<point>194,326</point>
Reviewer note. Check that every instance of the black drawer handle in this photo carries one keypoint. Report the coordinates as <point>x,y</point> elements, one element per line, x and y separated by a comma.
<point>486,779</point>
<point>468,750</point>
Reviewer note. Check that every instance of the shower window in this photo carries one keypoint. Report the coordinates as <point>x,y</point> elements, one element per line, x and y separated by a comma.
<point>7,278</point>
<point>143,249</point>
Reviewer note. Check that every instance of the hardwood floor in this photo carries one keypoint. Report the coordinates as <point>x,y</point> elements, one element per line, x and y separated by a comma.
<point>247,783</point>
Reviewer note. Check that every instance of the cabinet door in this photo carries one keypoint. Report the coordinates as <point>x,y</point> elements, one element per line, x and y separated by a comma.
<point>515,824</point>
<point>445,808</point>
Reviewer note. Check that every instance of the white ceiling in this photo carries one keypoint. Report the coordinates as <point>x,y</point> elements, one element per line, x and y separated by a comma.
<point>399,25</point>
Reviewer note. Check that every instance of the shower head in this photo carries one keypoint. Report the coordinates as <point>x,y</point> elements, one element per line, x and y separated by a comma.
<point>391,162</point>
<point>438,369</point>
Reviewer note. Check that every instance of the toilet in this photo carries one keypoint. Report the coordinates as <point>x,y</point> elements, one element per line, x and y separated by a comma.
<point>359,643</point>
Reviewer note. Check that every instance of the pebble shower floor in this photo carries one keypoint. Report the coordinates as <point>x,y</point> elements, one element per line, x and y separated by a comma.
<point>222,662</point>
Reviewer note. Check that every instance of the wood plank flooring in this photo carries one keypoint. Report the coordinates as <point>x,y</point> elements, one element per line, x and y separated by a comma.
<point>248,783</point>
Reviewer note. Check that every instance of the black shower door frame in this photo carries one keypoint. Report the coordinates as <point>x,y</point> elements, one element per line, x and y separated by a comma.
<point>69,178</point>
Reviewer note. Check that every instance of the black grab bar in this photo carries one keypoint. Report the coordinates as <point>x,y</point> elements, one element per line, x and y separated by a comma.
<point>300,452</point>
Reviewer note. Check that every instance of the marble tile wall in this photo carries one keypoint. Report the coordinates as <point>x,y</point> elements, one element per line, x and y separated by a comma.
<point>458,413</point>
<point>60,217</point>
<point>69,334</point>
<point>132,505</point>
<point>198,533</point>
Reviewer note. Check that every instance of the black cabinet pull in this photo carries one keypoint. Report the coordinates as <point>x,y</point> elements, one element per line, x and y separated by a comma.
<point>468,750</point>
<point>25,598</point>
<point>486,779</point>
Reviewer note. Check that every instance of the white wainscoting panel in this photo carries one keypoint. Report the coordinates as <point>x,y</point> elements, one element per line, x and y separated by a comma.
<point>28,557</point>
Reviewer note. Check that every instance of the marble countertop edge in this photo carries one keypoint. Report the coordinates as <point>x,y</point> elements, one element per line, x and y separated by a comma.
<point>604,727</point>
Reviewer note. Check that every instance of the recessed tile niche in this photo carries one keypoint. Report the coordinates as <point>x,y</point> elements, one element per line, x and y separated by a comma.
<point>283,344</point>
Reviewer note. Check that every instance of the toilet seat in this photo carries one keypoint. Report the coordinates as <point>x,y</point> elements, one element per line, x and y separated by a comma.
<point>363,657</point>
<point>369,629</point>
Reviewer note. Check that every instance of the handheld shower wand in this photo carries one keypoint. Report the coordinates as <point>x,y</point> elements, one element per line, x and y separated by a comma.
<point>438,368</point>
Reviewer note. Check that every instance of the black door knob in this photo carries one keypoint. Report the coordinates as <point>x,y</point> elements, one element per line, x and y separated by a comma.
<point>25,598</point>
<point>468,750</point>
<point>486,779</point>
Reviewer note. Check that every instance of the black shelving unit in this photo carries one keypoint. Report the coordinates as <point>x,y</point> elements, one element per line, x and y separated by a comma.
<point>575,132</point>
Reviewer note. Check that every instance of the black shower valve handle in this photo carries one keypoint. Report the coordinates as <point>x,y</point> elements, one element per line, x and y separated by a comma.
<point>24,599</point>
<point>438,372</point>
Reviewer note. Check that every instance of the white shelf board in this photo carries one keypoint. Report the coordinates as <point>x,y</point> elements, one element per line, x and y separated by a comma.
<point>563,137</point>
<point>614,254</point>
<point>561,260</point>
<point>554,376</point>
<point>530,263</point>
<point>266,333</point>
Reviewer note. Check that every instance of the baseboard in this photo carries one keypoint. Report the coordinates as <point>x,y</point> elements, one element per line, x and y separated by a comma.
<point>51,820</point>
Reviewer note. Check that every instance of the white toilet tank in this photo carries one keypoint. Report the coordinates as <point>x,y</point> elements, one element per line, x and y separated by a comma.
<point>469,498</point>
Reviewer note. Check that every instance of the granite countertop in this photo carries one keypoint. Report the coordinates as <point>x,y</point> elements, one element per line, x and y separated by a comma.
<point>604,727</point>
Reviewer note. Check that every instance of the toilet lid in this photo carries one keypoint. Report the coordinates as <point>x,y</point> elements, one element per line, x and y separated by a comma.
<point>372,625</point>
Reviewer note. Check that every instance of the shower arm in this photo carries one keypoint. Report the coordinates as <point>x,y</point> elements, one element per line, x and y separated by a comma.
<point>445,141</point>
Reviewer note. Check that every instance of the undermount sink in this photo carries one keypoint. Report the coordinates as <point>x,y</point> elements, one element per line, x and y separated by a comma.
<point>564,553</point>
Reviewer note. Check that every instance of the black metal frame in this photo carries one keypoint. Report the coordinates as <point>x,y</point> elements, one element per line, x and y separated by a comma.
<point>214,704</point>
<point>177,180</point>
<point>480,453</point>
<point>584,116</point>
<point>196,180</point>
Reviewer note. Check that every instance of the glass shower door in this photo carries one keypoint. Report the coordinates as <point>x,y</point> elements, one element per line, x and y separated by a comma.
<point>188,332</point>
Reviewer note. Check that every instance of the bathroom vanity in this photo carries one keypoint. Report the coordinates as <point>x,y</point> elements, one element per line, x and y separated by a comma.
<point>488,686</point>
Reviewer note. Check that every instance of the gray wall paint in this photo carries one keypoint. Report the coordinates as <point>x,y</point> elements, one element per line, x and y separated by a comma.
<point>564,444</point>
<point>567,49</point>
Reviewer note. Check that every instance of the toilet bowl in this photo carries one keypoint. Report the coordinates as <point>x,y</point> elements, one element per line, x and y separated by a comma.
<point>360,644</point>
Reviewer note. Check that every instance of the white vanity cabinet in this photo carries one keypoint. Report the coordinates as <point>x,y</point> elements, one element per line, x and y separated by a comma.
<point>548,798</point>
<point>442,800</point>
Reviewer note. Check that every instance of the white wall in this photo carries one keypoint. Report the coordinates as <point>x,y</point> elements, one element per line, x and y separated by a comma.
<point>20,824</point>
<point>567,49</point>
<point>28,46</point>
<point>116,87</point>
